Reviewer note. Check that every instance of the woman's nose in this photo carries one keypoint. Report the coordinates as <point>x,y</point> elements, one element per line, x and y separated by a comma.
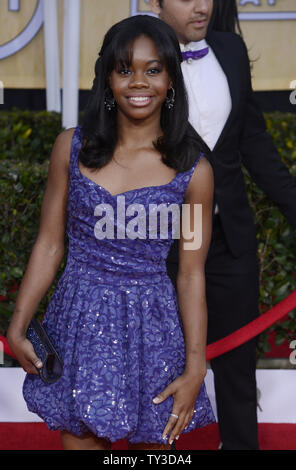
<point>138,80</point>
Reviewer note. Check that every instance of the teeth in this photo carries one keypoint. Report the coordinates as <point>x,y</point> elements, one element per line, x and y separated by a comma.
<point>139,98</point>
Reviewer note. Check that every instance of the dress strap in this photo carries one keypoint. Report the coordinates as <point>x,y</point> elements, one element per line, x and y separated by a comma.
<point>196,162</point>
<point>186,176</point>
<point>75,148</point>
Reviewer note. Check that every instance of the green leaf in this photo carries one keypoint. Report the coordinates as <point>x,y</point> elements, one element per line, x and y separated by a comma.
<point>17,272</point>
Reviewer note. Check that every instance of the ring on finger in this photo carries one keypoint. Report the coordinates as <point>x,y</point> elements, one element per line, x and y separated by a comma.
<point>174,415</point>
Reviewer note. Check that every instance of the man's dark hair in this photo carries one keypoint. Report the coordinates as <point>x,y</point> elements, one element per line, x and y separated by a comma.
<point>180,145</point>
<point>225,17</point>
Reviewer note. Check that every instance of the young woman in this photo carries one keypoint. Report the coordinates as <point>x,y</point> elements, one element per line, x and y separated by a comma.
<point>115,317</point>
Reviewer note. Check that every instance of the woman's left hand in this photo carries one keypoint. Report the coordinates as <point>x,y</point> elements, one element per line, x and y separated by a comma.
<point>185,390</point>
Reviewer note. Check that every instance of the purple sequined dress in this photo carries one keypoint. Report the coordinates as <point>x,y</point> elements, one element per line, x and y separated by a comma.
<point>114,319</point>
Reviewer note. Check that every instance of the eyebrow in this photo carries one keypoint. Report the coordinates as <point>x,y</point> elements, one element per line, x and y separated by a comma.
<point>149,62</point>
<point>155,60</point>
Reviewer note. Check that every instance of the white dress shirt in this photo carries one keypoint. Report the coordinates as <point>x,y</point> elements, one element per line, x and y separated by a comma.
<point>208,94</point>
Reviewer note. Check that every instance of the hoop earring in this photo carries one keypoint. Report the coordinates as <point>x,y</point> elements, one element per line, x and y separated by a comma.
<point>109,101</point>
<point>170,101</point>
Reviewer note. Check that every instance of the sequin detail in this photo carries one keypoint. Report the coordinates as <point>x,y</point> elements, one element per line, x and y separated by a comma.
<point>114,320</point>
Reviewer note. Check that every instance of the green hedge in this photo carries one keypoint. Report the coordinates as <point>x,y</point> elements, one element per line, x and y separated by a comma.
<point>276,238</point>
<point>26,139</point>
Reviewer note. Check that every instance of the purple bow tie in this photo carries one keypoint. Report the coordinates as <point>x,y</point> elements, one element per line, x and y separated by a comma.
<point>194,55</point>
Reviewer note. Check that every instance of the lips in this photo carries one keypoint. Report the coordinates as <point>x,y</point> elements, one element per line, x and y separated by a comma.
<point>199,22</point>
<point>139,100</point>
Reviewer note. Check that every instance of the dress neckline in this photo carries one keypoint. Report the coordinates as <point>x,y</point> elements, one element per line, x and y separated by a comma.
<point>124,192</point>
<point>86,178</point>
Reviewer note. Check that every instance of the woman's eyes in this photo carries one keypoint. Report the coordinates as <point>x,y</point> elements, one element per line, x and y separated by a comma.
<point>152,71</point>
<point>123,72</point>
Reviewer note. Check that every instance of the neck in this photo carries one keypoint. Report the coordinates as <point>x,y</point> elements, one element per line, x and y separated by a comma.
<point>137,133</point>
<point>186,41</point>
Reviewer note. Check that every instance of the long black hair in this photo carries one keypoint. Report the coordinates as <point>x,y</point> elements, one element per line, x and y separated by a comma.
<point>180,145</point>
<point>225,17</point>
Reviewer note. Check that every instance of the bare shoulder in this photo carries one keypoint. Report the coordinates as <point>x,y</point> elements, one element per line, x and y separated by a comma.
<point>63,141</point>
<point>203,168</point>
<point>202,179</point>
<point>66,134</point>
<point>61,150</point>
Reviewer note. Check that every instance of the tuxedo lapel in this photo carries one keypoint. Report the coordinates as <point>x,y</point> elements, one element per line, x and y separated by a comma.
<point>225,58</point>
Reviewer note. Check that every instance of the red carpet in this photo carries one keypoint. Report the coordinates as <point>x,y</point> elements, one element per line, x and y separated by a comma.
<point>36,436</point>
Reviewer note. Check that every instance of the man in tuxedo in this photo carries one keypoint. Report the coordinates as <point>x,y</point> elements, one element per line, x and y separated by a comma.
<point>224,112</point>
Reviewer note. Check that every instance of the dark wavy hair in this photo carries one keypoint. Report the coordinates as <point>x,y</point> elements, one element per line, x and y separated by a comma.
<point>225,17</point>
<point>180,145</point>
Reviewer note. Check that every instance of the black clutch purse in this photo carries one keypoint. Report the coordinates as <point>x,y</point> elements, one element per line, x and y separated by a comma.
<point>52,367</point>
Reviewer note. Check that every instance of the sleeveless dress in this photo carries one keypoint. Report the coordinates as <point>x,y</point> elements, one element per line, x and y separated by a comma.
<point>114,320</point>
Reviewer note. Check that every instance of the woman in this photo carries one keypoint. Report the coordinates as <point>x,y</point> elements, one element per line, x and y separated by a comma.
<point>114,315</point>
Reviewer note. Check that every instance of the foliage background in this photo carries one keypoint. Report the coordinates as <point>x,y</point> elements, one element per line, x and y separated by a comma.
<point>26,139</point>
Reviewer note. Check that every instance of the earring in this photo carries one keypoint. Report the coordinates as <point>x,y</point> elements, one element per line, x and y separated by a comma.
<point>170,101</point>
<point>109,101</point>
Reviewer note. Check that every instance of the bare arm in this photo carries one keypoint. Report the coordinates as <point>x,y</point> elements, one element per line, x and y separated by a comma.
<point>192,300</point>
<point>48,250</point>
<point>191,274</point>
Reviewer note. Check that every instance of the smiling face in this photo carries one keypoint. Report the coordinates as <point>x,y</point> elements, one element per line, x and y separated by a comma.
<point>189,18</point>
<point>141,87</point>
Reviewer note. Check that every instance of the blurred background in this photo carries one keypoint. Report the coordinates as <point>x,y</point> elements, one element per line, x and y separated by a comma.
<point>32,57</point>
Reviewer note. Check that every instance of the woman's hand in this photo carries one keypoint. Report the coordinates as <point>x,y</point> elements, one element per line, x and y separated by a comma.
<point>185,390</point>
<point>25,354</point>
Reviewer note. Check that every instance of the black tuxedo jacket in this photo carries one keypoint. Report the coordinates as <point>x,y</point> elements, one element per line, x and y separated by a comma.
<point>244,141</point>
